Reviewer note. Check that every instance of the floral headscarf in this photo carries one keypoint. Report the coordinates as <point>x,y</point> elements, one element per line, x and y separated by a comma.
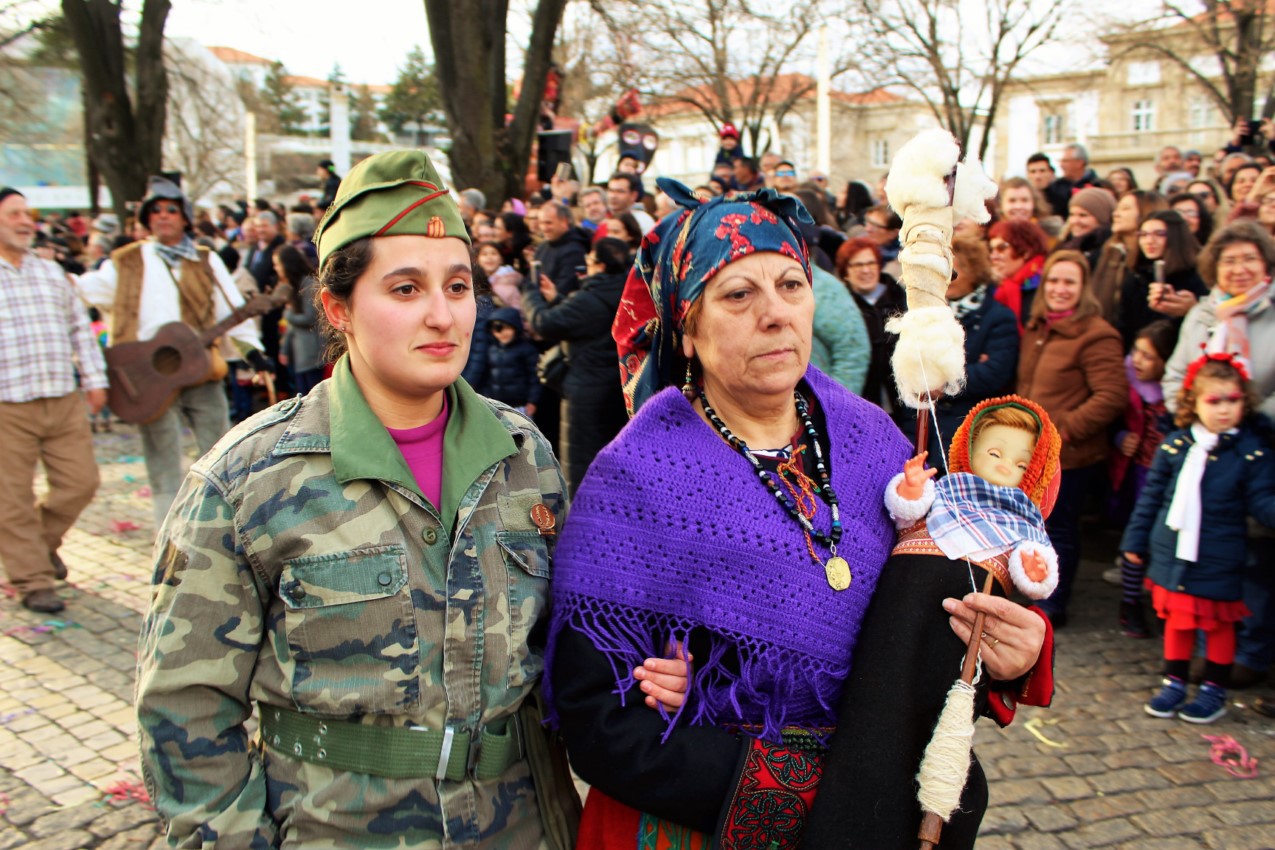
<point>677,260</point>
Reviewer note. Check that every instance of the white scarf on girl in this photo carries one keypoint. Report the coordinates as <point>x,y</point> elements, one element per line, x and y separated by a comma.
<point>1185,509</point>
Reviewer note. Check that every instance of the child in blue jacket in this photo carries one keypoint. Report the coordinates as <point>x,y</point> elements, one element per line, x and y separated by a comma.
<point>1190,520</point>
<point>510,375</point>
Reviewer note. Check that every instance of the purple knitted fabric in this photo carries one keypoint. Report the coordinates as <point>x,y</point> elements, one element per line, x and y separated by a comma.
<point>672,531</point>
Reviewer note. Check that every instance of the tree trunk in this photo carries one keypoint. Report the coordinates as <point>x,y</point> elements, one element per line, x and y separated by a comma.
<point>124,142</point>
<point>468,38</point>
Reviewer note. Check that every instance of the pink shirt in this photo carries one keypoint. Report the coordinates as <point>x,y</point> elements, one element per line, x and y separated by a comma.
<point>422,448</point>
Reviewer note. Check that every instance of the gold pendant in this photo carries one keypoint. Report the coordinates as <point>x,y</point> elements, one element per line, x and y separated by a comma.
<point>838,572</point>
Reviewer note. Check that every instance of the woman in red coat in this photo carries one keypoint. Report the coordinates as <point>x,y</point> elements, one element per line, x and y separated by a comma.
<point>1071,363</point>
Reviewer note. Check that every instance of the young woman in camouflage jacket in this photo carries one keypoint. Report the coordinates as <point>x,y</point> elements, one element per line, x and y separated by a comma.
<point>367,566</point>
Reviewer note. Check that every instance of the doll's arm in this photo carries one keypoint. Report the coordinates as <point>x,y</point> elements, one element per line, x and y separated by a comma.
<point>910,494</point>
<point>1034,569</point>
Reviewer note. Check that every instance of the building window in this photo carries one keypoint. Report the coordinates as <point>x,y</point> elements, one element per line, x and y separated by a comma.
<point>1143,116</point>
<point>880,153</point>
<point>1053,129</point>
<point>1201,113</point>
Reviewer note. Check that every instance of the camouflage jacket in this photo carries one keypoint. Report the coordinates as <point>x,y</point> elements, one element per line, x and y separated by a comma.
<point>301,567</point>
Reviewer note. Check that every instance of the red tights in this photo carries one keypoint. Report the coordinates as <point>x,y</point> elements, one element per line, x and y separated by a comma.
<point>1179,644</point>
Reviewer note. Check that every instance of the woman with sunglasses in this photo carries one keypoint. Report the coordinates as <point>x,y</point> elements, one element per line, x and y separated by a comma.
<point>1162,237</point>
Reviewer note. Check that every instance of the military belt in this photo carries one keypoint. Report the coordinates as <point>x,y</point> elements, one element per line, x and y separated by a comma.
<point>395,752</point>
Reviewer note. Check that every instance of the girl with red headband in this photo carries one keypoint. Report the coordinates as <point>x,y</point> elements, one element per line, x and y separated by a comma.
<point>1190,522</point>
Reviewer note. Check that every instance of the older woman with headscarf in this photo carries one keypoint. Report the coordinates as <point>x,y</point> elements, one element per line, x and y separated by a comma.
<point>715,526</point>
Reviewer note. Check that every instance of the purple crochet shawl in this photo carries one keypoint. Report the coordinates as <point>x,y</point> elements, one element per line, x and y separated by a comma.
<point>672,531</point>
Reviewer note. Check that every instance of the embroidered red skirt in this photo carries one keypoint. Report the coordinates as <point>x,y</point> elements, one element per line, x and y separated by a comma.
<point>1183,611</point>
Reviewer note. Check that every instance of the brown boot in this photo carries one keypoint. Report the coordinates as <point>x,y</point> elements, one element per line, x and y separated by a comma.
<point>43,601</point>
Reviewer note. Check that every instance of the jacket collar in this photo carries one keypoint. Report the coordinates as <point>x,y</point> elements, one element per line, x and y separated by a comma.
<point>336,419</point>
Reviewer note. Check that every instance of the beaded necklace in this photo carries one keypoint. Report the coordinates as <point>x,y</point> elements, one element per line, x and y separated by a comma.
<point>836,569</point>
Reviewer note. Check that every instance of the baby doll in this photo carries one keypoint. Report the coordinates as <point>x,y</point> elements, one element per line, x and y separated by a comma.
<point>1190,527</point>
<point>903,669</point>
<point>988,511</point>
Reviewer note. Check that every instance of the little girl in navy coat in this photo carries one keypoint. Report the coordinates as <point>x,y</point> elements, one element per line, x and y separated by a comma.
<point>1190,520</point>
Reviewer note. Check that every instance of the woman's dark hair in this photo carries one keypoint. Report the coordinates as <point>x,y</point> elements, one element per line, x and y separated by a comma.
<point>613,255</point>
<point>1203,216</point>
<point>1163,336</point>
<point>1248,166</point>
<point>858,201</point>
<point>631,227</point>
<point>341,270</point>
<point>1180,249</point>
<point>1128,173</point>
<point>812,199</point>
<point>516,227</point>
<point>207,228</point>
<point>296,268</point>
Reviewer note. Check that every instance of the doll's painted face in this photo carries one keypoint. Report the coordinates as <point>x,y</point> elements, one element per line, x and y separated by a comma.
<point>1001,455</point>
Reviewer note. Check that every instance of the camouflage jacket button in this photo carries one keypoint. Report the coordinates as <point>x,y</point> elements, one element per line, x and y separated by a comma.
<point>297,592</point>
<point>430,536</point>
<point>384,579</point>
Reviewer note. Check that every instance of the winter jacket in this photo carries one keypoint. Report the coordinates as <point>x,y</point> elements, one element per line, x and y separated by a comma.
<point>840,347</point>
<point>1142,417</point>
<point>302,569</point>
<point>1074,368</point>
<point>560,259</point>
<point>582,322</point>
<point>1238,482</point>
<point>511,369</point>
<point>1134,312</point>
<point>1091,245</point>
<point>878,386</point>
<point>1060,191</point>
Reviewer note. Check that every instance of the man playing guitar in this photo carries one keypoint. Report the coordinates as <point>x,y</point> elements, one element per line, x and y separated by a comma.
<point>167,278</point>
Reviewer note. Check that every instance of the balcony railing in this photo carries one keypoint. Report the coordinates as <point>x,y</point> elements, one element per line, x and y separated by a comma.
<point>1142,144</point>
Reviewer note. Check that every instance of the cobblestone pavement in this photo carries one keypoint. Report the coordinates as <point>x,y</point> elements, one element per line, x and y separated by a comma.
<point>1093,771</point>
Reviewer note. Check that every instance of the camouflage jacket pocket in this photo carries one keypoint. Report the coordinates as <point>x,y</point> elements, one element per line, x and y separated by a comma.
<point>350,632</point>
<point>527,567</point>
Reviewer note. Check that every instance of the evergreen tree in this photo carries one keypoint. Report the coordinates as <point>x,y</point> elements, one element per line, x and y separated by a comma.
<point>363,126</point>
<point>280,99</point>
<point>415,98</point>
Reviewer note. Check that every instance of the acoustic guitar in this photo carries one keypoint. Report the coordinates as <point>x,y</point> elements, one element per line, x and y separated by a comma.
<point>146,376</point>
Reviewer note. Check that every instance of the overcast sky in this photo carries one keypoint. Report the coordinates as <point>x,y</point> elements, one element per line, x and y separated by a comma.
<point>370,38</point>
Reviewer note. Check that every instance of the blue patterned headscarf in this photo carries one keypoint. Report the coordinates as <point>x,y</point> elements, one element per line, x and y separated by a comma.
<point>677,260</point>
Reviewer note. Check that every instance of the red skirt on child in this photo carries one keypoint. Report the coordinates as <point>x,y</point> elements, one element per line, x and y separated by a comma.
<point>1184,611</point>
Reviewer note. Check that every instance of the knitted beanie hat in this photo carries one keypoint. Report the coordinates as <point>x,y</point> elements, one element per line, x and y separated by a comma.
<point>1044,473</point>
<point>1099,203</point>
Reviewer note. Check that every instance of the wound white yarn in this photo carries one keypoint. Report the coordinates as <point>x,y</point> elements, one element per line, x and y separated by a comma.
<point>946,763</point>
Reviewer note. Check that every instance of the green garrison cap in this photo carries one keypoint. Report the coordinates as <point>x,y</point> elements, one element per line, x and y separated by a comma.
<point>389,194</point>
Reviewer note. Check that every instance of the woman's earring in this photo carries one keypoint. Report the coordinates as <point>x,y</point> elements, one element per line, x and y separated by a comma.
<point>688,388</point>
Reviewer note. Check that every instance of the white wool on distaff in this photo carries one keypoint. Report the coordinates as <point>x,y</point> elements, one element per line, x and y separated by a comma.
<point>930,354</point>
<point>973,188</point>
<point>920,168</point>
